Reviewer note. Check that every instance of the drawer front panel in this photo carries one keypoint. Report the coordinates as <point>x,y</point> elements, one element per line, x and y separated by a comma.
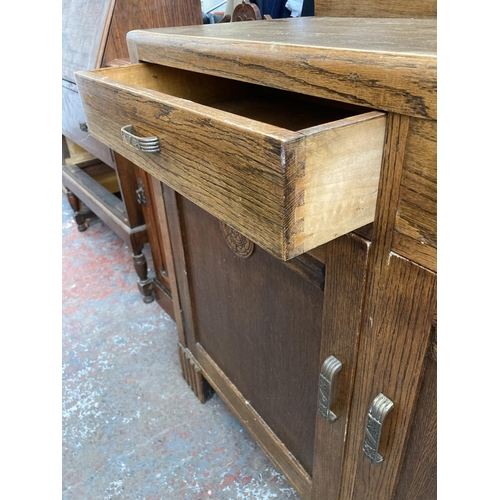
<point>72,116</point>
<point>287,190</point>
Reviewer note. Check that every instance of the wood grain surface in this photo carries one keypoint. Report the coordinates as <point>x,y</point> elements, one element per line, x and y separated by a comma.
<point>393,350</point>
<point>84,29</point>
<point>72,116</point>
<point>387,64</point>
<point>415,230</point>
<point>130,15</point>
<point>256,426</point>
<point>159,239</point>
<point>268,338</point>
<point>381,8</point>
<point>287,190</point>
<point>128,174</point>
<point>346,272</point>
<point>418,476</point>
<point>397,319</point>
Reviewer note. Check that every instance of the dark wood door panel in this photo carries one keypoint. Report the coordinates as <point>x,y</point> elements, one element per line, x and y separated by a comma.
<point>260,321</point>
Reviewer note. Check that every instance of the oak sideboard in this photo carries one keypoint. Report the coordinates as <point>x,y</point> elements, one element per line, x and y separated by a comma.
<point>294,164</point>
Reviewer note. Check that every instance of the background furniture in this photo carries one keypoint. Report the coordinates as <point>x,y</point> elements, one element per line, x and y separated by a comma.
<point>97,179</point>
<point>315,324</point>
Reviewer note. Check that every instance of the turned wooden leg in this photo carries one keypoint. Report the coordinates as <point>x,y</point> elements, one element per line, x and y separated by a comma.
<point>192,375</point>
<point>78,215</point>
<point>144,284</point>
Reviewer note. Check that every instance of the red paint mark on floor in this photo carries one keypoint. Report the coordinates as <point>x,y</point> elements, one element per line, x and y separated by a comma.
<point>229,479</point>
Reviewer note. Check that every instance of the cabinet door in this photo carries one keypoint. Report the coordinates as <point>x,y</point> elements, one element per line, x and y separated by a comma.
<point>260,331</point>
<point>392,357</point>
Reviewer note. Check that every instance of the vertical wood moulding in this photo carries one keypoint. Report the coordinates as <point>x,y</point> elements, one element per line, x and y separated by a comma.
<point>167,254</point>
<point>389,184</point>
<point>345,286</point>
<point>186,333</point>
<point>192,375</point>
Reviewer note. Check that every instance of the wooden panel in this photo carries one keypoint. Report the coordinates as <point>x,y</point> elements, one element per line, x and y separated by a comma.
<point>184,312</point>
<point>415,229</point>
<point>399,311</point>
<point>393,347</point>
<point>165,243</point>
<point>134,14</point>
<point>267,339</point>
<point>158,237</point>
<point>72,116</point>
<point>340,182</point>
<point>203,159</point>
<point>84,26</point>
<point>257,427</point>
<point>418,477</point>
<point>279,187</point>
<point>346,266</point>
<point>128,173</point>
<point>425,255</point>
<point>334,58</point>
<point>380,8</point>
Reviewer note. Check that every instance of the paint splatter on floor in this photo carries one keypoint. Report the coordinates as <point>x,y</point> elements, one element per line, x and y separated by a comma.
<point>132,429</point>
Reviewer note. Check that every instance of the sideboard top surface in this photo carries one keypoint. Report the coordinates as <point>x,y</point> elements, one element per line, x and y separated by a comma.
<point>388,64</point>
<point>391,36</point>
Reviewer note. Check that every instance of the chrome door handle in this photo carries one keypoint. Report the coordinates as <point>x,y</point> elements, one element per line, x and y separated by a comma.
<point>328,387</point>
<point>146,144</point>
<point>379,409</point>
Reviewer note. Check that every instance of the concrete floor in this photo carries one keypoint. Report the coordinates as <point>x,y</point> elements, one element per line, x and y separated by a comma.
<point>132,429</point>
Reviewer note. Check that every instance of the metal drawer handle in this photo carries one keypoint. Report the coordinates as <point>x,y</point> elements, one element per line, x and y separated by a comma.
<point>146,144</point>
<point>327,389</point>
<point>379,409</point>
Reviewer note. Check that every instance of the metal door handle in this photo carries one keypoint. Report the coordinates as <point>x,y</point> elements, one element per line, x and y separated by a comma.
<point>379,409</point>
<point>328,388</point>
<point>146,144</point>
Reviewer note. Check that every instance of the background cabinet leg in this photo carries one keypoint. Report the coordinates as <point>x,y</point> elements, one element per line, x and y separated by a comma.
<point>192,375</point>
<point>79,216</point>
<point>144,284</point>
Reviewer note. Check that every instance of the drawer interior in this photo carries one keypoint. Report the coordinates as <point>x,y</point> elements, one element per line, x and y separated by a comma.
<point>284,109</point>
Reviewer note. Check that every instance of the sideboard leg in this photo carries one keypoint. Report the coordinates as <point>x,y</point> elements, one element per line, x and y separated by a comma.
<point>144,284</point>
<point>192,375</point>
<point>78,215</point>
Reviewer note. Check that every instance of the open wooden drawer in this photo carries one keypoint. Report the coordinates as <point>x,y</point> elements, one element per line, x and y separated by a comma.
<point>290,172</point>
